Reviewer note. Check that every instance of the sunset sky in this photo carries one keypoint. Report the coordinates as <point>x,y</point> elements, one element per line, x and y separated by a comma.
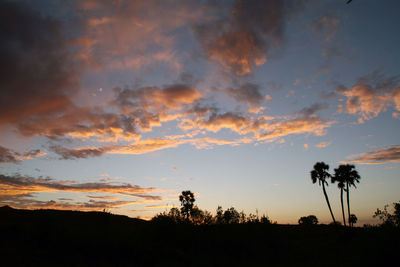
<point>121,105</point>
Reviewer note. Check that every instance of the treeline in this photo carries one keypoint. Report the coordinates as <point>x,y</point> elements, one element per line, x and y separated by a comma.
<point>204,217</point>
<point>189,213</point>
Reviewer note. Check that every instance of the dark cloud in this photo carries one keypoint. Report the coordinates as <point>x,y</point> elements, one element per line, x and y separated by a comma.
<point>149,106</point>
<point>82,122</point>
<point>67,153</point>
<point>249,93</point>
<point>242,37</point>
<point>17,185</point>
<point>26,202</point>
<point>19,191</point>
<point>38,73</point>
<point>11,156</point>
<point>312,110</point>
<point>8,156</point>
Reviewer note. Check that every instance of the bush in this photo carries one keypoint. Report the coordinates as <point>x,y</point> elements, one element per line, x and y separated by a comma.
<point>387,218</point>
<point>309,220</point>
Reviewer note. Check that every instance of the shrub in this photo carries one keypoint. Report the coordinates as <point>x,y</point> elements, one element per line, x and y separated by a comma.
<point>308,220</point>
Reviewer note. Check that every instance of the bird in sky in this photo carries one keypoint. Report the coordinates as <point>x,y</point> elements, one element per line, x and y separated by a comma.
<point>348,2</point>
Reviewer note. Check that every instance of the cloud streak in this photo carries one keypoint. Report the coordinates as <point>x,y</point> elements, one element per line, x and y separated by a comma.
<point>12,185</point>
<point>11,156</point>
<point>381,156</point>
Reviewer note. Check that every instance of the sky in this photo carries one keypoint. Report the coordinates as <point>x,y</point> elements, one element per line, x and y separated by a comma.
<point>121,105</point>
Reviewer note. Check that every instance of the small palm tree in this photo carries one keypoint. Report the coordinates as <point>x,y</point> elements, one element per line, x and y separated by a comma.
<point>350,177</point>
<point>340,178</point>
<point>320,173</point>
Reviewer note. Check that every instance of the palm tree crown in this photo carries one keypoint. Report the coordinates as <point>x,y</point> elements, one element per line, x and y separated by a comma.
<point>320,173</point>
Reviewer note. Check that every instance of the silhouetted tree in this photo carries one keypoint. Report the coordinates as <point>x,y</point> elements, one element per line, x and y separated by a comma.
<point>200,217</point>
<point>339,177</point>
<point>353,219</point>
<point>350,176</point>
<point>309,220</point>
<point>220,215</point>
<point>265,219</point>
<point>320,174</point>
<point>231,215</point>
<point>187,200</point>
<point>386,217</point>
<point>175,214</point>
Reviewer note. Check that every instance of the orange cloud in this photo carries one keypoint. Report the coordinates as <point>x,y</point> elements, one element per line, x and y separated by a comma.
<point>323,144</point>
<point>242,41</point>
<point>11,186</point>
<point>91,205</point>
<point>145,146</point>
<point>371,95</point>
<point>307,125</point>
<point>136,34</point>
<point>82,122</point>
<point>216,122</point>
<point>381,156</point>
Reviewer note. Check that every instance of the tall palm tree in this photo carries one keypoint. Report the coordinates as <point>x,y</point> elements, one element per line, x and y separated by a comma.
<point>320,173</point>
<point>350,177</point>
<point>340,178</point>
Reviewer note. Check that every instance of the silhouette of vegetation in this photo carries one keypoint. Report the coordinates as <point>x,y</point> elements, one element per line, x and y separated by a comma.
<point>71,238</point>
<point>308,220</point>
<point>320,173</point>
<point>187,201</point>
<point>339,177</point>
<point>353,219</point>
<point>203,217</point>
<point>346,176</point>
<point>350,176</point>
<point>387,218</point>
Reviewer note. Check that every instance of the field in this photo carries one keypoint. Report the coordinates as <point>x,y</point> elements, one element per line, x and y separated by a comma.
<point>70,238</point>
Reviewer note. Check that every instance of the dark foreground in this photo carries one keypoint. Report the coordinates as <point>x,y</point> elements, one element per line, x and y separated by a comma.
<point>67,238</point>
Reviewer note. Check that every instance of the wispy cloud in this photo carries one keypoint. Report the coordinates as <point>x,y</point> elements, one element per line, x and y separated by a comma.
<point>326,27</point>
<point>323,144</point>
<point>22,192</point>
<point>381,156</point>
<point>11,156</point>
<point>15,185</point>
<point>249,93</point>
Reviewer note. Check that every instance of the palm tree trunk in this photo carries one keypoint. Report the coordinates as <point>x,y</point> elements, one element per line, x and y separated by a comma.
<point>327,201</point>
<point>341,201</point>
<point>348,202</point>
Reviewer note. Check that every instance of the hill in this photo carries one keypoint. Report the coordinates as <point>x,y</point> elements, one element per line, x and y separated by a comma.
<point>73,238</point>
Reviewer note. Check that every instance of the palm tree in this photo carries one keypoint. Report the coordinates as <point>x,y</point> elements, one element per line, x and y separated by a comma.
<point>340,178</point>
<point>350,177</point>
<point>320,173</point>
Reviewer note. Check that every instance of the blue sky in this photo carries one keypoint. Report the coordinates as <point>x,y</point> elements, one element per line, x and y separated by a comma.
<point>121,105</point>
